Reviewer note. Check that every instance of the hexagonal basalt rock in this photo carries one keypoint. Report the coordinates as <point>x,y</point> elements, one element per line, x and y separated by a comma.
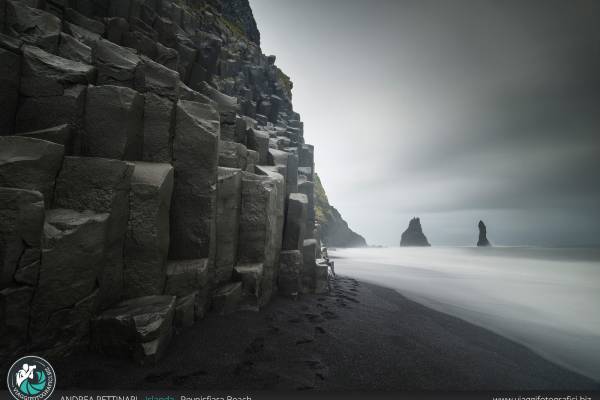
<point>232,155</point>
<point>73,252</point>
<point>32,25</point>
<point>321,276</point>
<point>116,65</point>
<point>185,310</point>
<point>290,272</point>
<point>37,113</point>
<point>45,74</point>
<point>72,49</point>
<point>28,163</point>
<point>158,79</point>
<point>309,254</point>
<point>147,239</point>
<point>295,222</point>
<point>60,134</point>
<point>139,328</point>
<point>114,122</point>
<point>251,276</point>
<point>159,113</point>
<point>101,185</point>
<point>259,142</point>
<point>21,222</point>
<point>227,298</point>
<point>195,154</point>
<point>308,188</point>
<point>186,276</point>
<point>289,162</point>
<point>261,215</point>
<point>228,219</point>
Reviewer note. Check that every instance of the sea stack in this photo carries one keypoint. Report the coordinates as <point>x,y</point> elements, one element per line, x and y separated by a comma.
<point>413,235</point>
<point>483,241</point>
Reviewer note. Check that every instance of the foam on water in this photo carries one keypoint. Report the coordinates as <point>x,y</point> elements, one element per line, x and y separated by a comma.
<point>547,299</point>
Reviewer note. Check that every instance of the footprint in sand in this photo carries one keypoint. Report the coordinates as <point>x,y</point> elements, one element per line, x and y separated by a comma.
<point>313,317</point>
<point>342,303</point>
<point>329,315</point>
<point>304,341</point>
<point>318,329</point>
<point>344,297</point>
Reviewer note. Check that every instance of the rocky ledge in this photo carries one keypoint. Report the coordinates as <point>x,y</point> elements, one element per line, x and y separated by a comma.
<point>152,169</point>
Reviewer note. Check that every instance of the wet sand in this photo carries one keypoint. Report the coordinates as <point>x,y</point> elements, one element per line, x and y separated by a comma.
<point>358,337</point>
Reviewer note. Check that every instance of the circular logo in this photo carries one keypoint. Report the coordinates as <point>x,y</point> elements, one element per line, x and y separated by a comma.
<point>31,378</point>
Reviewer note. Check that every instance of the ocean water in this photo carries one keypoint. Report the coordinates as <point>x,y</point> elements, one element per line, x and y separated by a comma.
<point>547,299</point>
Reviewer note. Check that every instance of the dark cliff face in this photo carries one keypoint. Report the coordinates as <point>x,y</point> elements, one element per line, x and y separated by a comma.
<point>413,235</point>
<point>240,13</point>
<point>483,240</point>
<point>155,144</point>
<point>334,230</point>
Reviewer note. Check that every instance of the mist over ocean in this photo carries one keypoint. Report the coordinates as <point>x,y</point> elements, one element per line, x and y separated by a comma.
<point>547,299</point>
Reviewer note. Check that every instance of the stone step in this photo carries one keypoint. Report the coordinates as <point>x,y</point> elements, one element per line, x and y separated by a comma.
<point>290,273</point>
<point>226,298</point>
<point>184,277</point>
<point>251,277</point>
<point>101,185</point>
<point>29,163</point>
<point>139,328</point>
<point>73,252</point>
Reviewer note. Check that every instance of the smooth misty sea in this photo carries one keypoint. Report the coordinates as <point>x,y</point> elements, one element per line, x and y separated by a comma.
<point>547,299</point>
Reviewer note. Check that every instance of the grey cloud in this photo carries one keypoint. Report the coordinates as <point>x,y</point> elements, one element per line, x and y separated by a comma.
<point>450,110</point>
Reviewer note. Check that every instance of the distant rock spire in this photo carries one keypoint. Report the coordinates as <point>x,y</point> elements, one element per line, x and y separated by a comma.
<point>413,235</point>
<point>483,240</point>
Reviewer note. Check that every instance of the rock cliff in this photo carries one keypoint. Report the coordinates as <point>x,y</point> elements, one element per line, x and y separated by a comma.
<point>483,240</point>
<point>413,235</point>
<point>152,170</point>
<point>334,231</point>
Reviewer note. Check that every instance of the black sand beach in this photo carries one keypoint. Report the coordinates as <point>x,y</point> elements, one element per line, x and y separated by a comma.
<point>359,337</point>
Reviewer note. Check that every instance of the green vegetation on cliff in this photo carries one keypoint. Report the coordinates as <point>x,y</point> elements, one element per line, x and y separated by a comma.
<point>334,230</point>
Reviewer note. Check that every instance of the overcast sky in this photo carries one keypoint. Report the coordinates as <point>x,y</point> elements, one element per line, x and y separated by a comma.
<point>453,111</point>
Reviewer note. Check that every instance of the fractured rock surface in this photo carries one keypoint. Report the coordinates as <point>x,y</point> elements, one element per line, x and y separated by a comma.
<point>152,169</point>
<point>147,240</point>
<point>140,328</point>
<point>29,163</point>
<point>114,123</point>
<point>195,153</point>
<point>101,185</point>
<point>229,197</point>
<point>21,223</point>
